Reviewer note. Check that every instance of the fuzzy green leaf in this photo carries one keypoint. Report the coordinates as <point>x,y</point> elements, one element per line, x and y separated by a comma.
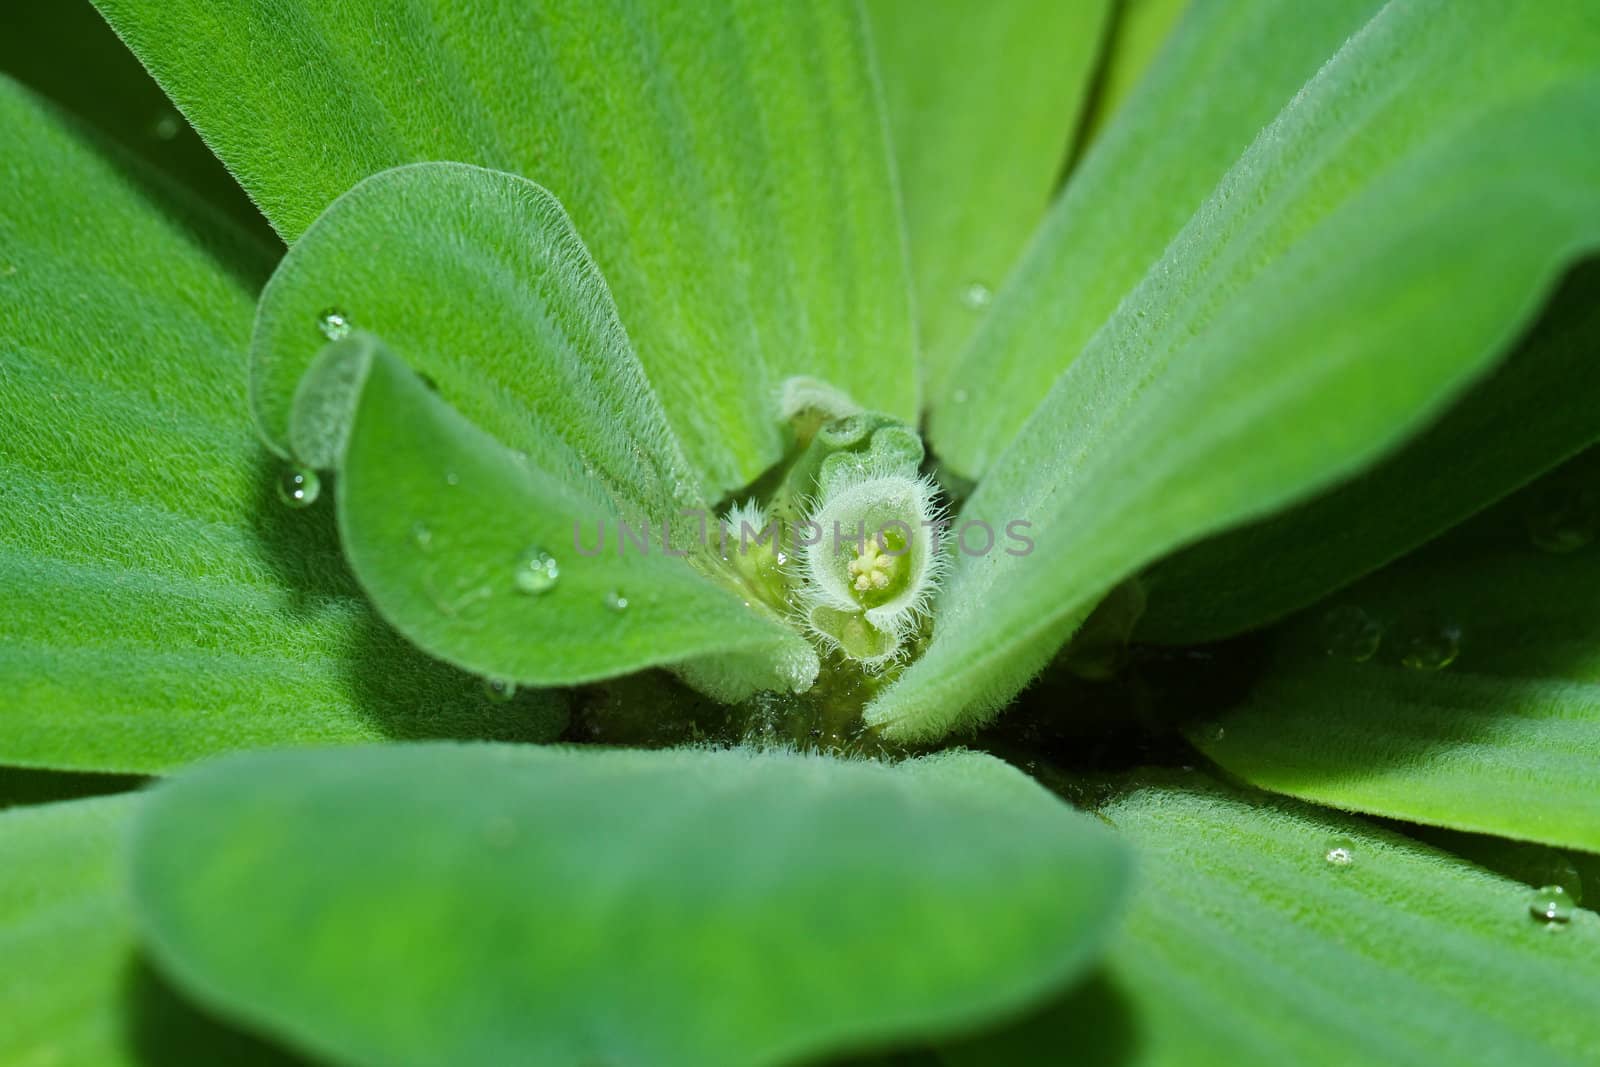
<point>65,52</point>
<point>1246,945</point>
<point>1505,739</point>
<point>480,284</point>
<point>157,602</point>
<point>983,102</point>
<point>766,907</point>
<point>725,163</point>
<point>1513,425</point>
<point>74,991</point>
<point>1227,70</point>
<point>495,563</point>
<point>1369,256</point>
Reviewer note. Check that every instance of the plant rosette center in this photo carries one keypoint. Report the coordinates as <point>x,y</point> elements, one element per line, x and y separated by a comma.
<point>873,562</point>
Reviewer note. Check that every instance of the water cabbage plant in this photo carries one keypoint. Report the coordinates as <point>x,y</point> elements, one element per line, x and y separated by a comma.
<point>754,532</point>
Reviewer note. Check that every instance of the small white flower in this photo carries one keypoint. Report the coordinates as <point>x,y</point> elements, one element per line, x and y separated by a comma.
<point>868,580</point>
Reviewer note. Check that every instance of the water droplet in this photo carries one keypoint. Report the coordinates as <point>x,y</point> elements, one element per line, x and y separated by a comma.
<point>1430,647</point>
<point>1561,871</point>
<point>450,598</point>
<point>298,487</point>
<point>422,535</point>
<point>1551,904</point>
<point>452,478</point>
<point>334,324</point>
<point>498,690</point>
<point>1341,853</point>
<point>977,296</point>
<point>166,126</point>
<point>616,601</point>
<point>537,572</point>
<point>1542,865</point>
<point>1350,633</point>
<point>1564,520</point>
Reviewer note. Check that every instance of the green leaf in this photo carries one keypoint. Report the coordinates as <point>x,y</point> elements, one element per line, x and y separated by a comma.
<point>157,602</point>
<point>1261,359</point>
<point>507,569</point>
<point>983,102</point>
<point>482,286</point>
<point>74,992</point>
<point>725,164</point>
<point>1227,70</point>
<point>1535,866</point>
<point>65,52</point>
<point>566,906</point>
<point>1137,34</point>
<point>1505,739</point>
<point>1245,946</point>
<point>1513,425</point>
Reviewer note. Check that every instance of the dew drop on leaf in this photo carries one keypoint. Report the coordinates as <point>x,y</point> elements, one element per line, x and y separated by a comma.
<point>1350,633</point>
<point>977,296</point>
<point>537,572</point>
<point>498,690</point>
<point>298,487</point>
<point>334,324</point>
<point>1564,520</point>
<point>166,126</point>
<point>1340,853</point>
<point>422,535</point>
<point>1431,646</point>
<point>1551,904</point>
<point>616,601</point>
<point>1540,865</point>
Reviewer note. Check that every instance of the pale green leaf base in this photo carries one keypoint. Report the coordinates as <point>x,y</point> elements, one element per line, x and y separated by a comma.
<point>766,908</point>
